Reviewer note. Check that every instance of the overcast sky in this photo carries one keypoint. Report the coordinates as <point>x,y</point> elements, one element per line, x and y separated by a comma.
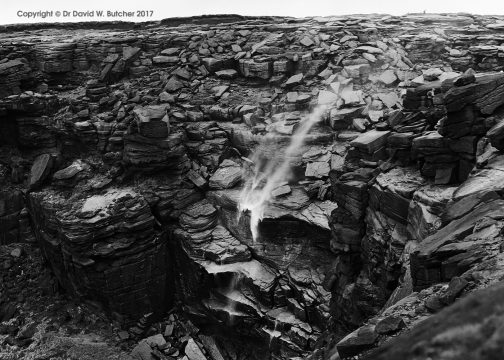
<point>299,8</point>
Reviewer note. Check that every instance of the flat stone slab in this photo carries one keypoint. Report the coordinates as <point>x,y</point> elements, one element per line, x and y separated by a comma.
<point>371,140</point>
<point>170,51</point>
<point>216,244</point>
<point>319,213</point>
<point>306,41</point>
<point>431,139</point>
<point>483,181</point>
<point>389,99</point>
<point>70,171</point>
<point>227,74</point>
<point>227,176</point>
<point>162,59</point>
<point>261,276</point>
<point>388,77</point>
<point>318,169</point>
<point>294,80</point>
<point>327,97</point>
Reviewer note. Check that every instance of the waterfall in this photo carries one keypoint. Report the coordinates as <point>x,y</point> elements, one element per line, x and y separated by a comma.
<point>228,293</point>
<point>268,173</point>
<point>274,334</point>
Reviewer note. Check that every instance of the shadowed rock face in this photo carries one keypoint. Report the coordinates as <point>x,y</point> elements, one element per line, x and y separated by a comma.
<point>104,247</point>
<point>125,150</point>
<point>468,329</point>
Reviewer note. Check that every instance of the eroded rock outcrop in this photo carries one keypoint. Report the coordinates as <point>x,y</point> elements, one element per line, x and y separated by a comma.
<point>104,247</point>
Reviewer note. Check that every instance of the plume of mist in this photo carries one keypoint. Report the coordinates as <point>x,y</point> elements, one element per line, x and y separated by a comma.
<point>269,173</point>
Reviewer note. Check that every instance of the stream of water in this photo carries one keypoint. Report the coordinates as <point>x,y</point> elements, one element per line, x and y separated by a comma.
<point>270,173</point>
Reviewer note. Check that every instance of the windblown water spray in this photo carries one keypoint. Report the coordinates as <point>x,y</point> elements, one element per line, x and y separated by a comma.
<point>231,304</point>
<point>254,198</point>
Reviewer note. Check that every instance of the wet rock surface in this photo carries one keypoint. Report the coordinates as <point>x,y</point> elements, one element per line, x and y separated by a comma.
<point>125,155</point>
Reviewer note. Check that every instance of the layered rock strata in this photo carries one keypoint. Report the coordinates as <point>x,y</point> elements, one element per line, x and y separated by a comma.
<point>125,154</point>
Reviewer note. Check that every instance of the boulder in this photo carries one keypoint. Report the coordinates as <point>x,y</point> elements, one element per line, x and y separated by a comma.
<point>317,169</point>
<point>173,85</point>
<point>306,41</point>
<point>390,324</point>
<point>170,51</point>
<point>340,119</point>
<point>193,351</point>
<point>216,64</point>
<point>389,99</point>
<point>371,140</point>
<point>388,77</point>
<point>142,351</point>
<point>153,121</point>
<point>354,343</point>
<point>327,97</point>
<point>227,175</point>
<point>485,94</point>
<point>252,69</point>
<point>70,171</point>
<point>351,97</point>
<point>294,80</point>
<point>357,72</point>
<point>40,170</point>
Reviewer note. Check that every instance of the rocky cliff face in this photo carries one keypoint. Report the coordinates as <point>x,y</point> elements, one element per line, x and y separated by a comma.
<point>125,153</point>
